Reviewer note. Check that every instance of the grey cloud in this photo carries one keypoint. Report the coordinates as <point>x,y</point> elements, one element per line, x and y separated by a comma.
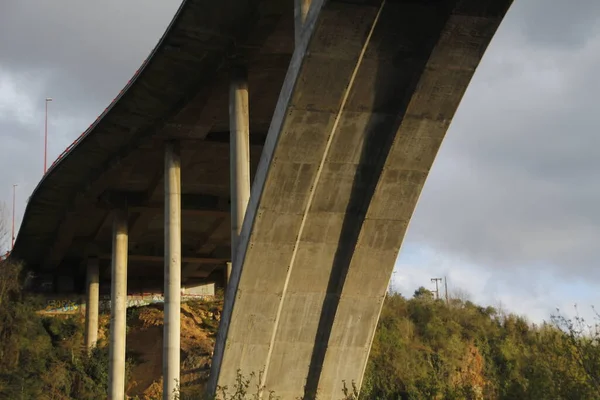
<point>86,51</point>
<point>517,181</point>
<point>80,53</point>
<point>554,23</point>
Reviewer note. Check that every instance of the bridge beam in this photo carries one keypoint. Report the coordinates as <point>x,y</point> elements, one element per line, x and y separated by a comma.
<point>172,324</point>
<point>92,303</point>
<point>118,309</point>
<point>239,123</point>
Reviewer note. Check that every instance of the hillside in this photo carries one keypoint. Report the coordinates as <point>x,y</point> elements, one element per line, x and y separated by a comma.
<point>423,349</point>
<point>426,349</point>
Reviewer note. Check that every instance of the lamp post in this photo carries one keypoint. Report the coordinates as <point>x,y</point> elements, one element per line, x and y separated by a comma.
<point>48,99</point>
<point>13,217</point>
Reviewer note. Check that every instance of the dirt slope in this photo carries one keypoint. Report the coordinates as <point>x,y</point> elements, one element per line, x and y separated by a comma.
<point>199,323</point>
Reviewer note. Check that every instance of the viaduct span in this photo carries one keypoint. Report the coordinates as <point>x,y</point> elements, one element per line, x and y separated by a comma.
<point>335,109</point>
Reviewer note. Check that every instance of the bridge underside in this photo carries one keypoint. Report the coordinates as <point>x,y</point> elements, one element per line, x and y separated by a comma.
<point>181,93</point>
<point>370,92</point>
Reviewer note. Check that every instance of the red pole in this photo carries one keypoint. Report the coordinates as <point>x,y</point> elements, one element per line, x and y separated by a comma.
<point>13,217</point>
<point>46,136</point>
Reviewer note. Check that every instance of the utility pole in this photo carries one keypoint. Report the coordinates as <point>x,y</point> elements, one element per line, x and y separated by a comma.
<point>446,289</point>
<point>13,218</point>
<point>391,284</point>
<point>437,291</point>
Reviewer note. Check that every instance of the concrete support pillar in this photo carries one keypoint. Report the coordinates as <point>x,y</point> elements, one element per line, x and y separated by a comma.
<point>227,273</point>
<point>239,156</point>
<point>118,307</point>
<point>92,303</point>
<point>301,8</point>
<point>172,324</point>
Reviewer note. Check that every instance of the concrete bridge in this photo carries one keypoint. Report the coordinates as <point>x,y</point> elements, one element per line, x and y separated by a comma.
<point>335,108</point>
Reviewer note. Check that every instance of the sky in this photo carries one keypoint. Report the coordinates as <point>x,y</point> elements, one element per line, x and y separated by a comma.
<point>509,212</point>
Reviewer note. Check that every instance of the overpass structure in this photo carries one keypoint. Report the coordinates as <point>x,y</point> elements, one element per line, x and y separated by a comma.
<point>336,109</point>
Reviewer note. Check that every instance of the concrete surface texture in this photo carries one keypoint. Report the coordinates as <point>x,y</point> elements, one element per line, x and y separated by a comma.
<point>118,317</point>
<point>369,95</point>
<point>239,153</point>
<point>92,302</point>
<point>172,284</point>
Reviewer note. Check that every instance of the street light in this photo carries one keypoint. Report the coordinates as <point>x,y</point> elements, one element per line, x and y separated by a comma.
<point>48,99</point>
<point>13,217</point>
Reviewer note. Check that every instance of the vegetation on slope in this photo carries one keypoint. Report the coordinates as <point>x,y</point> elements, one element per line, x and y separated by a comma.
<point>423,349</point>
<point>426,349</point>
<point>44,358</point>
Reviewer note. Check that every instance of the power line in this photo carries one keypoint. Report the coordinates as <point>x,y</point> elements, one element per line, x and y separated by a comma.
<point>437,290</point>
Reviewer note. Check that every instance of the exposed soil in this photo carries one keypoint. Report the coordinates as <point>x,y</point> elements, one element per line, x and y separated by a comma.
<point>199,323</point>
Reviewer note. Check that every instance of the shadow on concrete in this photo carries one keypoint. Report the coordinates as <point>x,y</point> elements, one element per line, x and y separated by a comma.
<point>403,41</point>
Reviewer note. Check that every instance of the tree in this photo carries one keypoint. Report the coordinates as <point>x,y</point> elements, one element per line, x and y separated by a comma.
<point>4,231</point>
<point>582,343</point>
<point>422,293</point>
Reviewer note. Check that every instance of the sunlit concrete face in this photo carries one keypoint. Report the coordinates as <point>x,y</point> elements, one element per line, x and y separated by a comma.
<point>118,298</point>
<point>172,272</point>
<point>359,121</point>
<point>92,303</point>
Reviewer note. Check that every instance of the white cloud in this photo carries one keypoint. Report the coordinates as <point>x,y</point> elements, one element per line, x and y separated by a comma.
<point>527,290</point>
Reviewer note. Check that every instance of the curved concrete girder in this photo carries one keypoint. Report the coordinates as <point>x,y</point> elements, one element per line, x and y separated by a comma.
<point>357,288</point>
<point>316,84</point>
<point>354,135</point>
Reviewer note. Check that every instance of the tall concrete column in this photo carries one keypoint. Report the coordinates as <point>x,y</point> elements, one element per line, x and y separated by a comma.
<point>172,324</point>
<point>301,8</point>
<point>118,307</point>
<point>92,303</point>
<point>227,273</point>
<point>239,154</point>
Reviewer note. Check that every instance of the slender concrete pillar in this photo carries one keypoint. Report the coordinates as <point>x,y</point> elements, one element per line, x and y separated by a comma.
<point>92,303</point>
<point>227,273</point>
<point>118,307</point>
<point>301,8</point>
<point>172,324</point>
<point>239,154</point>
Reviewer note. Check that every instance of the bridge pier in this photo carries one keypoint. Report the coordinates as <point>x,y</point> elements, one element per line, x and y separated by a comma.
<point>227,273</point>
<point>239,156</point>
<point>92,303</point>
<point>118,306</point>
<point>172,259</point>
<point>301,8</point>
